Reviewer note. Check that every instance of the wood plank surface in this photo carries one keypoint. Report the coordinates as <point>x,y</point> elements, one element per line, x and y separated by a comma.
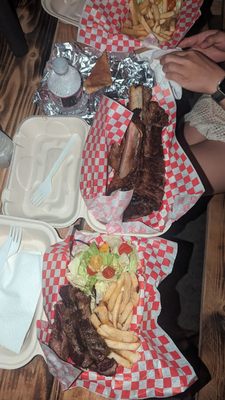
<point>212,334</point>
<point>19,79</point>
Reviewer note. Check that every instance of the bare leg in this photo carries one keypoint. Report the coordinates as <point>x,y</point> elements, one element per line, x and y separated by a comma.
<point>210,155</point>
<point>192,135</point>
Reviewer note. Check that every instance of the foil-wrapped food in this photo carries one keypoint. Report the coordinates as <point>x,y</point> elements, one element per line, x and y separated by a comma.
<point>126,70</point>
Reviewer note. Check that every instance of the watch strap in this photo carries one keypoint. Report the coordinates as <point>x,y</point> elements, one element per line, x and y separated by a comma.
<point>219,95</point>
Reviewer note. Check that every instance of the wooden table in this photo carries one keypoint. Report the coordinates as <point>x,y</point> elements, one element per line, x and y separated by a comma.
<point>212,324</point>
<point>19,78</point>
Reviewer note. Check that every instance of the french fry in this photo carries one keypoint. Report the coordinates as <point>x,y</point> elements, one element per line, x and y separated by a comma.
<point>133,32</point>
<point>109,292</point>
<point>116,292</point>
<point>102,332</point>
<point>120,359</point>
<point>134,12</point>
<point>134,280</point>
<point>145,25</point>
<point>115,311</point>
<point>126,324</point>
<point>164,6</point>
<point>95,321</point>
<point>132,356</point>
<point>127,291</point>
<point>102,313</point>
<point>113,344</point>
<point>135,298</point>
<point>118,335</point>
<point>143,5</point>
<point>167,15</point>
<point>127,310</point>
<point>155,11</point>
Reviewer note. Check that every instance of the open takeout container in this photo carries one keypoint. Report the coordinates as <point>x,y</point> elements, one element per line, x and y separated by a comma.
<point>68,11</point>
<point>37,236</point>
<point>37,144</point>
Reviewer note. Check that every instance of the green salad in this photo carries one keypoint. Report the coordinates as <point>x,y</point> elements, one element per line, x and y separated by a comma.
<point>95,267</point>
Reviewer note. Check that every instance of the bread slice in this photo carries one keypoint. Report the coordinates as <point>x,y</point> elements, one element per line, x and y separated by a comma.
<point>100,75</point>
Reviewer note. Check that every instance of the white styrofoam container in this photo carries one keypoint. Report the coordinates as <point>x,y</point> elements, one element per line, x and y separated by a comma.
<point>68,11</point>
<point>38,142</point>
<point>37,236</point>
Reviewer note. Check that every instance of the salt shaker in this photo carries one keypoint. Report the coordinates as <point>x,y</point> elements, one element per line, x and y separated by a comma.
<point>6,150</point>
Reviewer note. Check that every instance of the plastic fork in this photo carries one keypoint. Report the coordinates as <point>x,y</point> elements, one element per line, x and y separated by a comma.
<point>16,240</point>
<point>11,244</point>
<point>45,187</point>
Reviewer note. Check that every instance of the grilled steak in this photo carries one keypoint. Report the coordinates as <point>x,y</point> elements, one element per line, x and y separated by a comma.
<point>140,160</point>
<point>74,337</point>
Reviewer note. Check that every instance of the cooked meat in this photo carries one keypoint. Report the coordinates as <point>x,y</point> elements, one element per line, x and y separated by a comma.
<point>128,156</point>
<point>141,162</point>
<point>106,367</point>
<point>74,337</point>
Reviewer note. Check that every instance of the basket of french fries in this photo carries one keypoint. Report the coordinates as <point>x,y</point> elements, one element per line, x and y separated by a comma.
<point>101,302</point>
<point>127,25</point>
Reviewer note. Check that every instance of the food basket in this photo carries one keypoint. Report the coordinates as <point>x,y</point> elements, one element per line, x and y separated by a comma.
<point>162,370</point>
<point>99,23</point>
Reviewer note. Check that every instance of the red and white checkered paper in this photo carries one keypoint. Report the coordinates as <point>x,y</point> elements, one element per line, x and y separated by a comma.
<point>101,21</point>
<point>162,370</point>
<point>182,184</point>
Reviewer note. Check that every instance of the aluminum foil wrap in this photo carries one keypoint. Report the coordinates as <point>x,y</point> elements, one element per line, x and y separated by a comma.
<point>126,70</point>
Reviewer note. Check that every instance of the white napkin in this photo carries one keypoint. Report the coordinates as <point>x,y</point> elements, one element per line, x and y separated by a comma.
<point>20,287</point>
<point>153,57</point>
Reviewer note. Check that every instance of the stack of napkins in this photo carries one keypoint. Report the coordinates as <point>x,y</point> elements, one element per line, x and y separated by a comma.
<point>20,287</point>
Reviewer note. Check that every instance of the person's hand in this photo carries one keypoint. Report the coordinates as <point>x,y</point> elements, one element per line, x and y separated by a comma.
<point>211,43</point>
<point>192,70</point>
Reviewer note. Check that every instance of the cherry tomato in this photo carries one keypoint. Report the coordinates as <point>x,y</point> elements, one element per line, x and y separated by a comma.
<point>90,271</point>
<point>125,248</point>
<point>108,272</point>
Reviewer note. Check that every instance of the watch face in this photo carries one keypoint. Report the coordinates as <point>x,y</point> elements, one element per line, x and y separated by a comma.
<point>222,86</point>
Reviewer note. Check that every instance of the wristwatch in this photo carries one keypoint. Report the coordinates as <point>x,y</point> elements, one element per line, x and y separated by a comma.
<point>219,95</point>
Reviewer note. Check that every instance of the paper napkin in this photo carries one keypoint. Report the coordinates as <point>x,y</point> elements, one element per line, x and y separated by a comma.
<point>20,288</point>
<point>153,57</point>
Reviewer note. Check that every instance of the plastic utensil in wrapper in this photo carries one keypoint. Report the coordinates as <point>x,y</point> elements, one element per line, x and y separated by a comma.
<point>162,370</point>
<point>101,22</point>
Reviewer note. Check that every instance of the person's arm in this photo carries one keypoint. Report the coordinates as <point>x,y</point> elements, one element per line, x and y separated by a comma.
<point>193,71</point>
<point>211,43</point>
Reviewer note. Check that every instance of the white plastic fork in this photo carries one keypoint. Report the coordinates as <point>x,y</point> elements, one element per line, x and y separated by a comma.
<point>45,187</point>
<point>16,234</point>
<point>11,245</point>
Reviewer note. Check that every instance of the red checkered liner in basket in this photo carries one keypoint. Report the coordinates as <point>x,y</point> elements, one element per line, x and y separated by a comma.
<point>162,370</point>
<point>101,21</point>
<point>182,184</point>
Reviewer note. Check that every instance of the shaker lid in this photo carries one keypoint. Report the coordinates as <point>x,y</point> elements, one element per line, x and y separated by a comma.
<point>60,65</point>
